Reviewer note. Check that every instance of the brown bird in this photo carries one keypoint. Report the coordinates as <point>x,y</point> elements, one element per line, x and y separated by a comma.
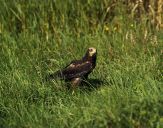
<point>78,70</point>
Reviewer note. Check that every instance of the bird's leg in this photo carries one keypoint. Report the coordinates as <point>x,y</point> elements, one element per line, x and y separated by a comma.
<point>75,82</point>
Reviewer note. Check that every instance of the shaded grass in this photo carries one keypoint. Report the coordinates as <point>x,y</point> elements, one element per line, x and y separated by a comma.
<point>129,67</point>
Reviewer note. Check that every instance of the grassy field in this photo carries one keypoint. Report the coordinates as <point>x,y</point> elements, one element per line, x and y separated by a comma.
<point>39,38</point>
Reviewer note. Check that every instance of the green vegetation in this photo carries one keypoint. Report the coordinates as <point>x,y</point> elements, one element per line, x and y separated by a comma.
<point>40,37</point>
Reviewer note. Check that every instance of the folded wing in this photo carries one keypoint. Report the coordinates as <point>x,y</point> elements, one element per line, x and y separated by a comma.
<point>75,70</point>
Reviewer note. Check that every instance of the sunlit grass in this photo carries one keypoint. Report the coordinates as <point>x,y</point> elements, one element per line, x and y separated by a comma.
<point>40,38</point>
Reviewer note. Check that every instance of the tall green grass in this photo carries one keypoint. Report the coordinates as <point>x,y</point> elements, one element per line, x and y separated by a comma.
<point>40,37</point>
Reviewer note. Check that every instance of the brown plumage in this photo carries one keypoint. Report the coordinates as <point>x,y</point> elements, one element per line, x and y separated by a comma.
<point>78,70</point>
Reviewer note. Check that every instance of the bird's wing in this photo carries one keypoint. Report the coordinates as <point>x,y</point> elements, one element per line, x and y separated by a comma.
<point>63,73</point>
<point>76,70</point>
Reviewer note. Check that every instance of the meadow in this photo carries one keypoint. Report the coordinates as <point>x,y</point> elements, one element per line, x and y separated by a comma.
<point>39,37</point>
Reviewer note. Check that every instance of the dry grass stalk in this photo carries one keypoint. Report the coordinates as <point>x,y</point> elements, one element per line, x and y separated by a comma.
<point>158,13</point>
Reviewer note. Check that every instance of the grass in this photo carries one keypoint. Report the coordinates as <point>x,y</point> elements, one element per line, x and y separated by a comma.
<point>40,38</point>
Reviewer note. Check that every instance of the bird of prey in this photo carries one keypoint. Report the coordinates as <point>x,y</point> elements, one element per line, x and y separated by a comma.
<point>78,70</point>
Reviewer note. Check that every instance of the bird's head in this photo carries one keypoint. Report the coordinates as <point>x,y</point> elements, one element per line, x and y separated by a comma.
<point>91,51</point>
<point>90,55</point>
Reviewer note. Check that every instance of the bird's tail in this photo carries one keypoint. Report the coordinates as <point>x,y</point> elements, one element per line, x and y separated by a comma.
<point>54,76</point>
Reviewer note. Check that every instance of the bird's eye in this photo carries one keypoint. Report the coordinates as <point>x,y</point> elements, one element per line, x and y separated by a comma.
<point>90,49</point>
